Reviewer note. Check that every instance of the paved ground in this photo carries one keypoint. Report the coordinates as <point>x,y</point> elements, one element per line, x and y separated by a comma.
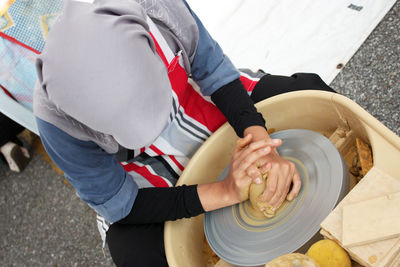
<point>43,223</point>
<point>372,77</point>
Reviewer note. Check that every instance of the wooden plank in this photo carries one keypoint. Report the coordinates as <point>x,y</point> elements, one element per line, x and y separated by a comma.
<point>326,234</point>
<point>376,183</point>
<point>393,257</point>
<point>372,220</point>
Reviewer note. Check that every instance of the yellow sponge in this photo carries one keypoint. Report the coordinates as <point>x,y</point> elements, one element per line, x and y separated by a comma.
<point>328,253</point>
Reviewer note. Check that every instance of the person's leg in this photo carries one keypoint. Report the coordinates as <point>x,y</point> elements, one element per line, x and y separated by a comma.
<point>137,245</point>
<point>14,154</point>
<point>9,129</point>
<point>272,85</point>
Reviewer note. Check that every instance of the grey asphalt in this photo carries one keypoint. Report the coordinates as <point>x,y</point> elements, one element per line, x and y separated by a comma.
<point>43,222</point>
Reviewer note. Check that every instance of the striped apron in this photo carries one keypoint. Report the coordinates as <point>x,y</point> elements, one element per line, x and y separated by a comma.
<point>193,118</point>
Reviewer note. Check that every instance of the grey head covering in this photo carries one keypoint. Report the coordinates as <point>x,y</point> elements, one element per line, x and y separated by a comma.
<point>107,74</point>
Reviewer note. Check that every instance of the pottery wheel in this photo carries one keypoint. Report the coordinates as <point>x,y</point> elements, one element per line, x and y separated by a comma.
<point>242,239</point>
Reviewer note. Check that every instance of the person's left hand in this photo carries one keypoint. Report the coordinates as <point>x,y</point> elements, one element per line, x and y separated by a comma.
<point>281,172</point>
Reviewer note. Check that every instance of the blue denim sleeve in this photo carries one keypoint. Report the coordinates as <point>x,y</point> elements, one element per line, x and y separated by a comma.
<point>211,69</point>
<point>97,176</point>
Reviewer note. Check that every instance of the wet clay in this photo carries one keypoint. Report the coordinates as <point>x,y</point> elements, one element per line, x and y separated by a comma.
<point>260,209</point>
<point>209,255</point>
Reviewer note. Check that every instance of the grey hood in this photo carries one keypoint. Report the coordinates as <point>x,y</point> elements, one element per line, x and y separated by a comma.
<point>100,71</point>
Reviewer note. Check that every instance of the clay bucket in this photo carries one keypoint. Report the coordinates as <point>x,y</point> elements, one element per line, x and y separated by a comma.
<point>314,110</point>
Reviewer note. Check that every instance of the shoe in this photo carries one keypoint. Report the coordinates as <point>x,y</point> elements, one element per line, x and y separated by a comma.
<point>17,157</point>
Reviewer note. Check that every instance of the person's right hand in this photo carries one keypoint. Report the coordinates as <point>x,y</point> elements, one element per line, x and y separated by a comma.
<point>235,187</point>
<point>246,154</point>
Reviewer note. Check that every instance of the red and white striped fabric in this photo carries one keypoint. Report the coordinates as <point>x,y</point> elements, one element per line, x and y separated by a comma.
<point>192,120</point>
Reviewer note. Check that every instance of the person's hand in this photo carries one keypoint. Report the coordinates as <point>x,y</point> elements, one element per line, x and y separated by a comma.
<point>280,175</point>
<point>235,187</point>
<point>281,172</point>
<point>246,154</point>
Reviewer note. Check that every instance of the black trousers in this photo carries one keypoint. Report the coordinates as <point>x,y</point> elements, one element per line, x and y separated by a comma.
<point>9,129</point>
<point>143,244</point>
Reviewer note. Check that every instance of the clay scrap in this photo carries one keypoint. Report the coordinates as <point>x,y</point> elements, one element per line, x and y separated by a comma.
<point>364,155</point>
<point>210,258</point>
<point>356,153</point>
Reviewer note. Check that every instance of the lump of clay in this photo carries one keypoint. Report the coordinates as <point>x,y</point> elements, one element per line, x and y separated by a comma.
<point>260,208</point>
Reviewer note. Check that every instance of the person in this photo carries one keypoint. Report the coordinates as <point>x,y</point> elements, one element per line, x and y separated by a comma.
<point>11,148</point>
<point>128,91</point>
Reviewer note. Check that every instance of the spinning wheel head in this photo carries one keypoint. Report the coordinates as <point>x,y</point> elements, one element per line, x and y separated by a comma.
<point>241,238</point>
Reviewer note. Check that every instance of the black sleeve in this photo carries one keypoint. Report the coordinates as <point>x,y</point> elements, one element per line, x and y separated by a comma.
<point>234,102</point>
<point>160,204</point>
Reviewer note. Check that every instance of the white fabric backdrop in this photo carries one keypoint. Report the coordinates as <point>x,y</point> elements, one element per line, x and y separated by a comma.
<point>279,36</point>
<point>288,36</point>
